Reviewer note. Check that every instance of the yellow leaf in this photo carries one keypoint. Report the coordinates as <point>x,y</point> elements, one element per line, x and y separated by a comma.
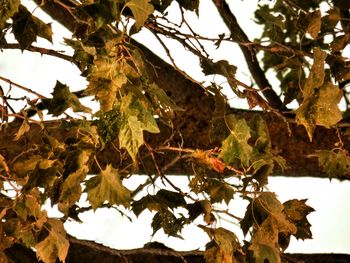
<point>141,9</point>
<point>227,244</point>
<point>317,74</point>
<point>71,188</point>
<point>25,127</point>
<point>55,245</point>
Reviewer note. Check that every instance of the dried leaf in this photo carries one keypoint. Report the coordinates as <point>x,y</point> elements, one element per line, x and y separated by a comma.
<point>25,127</point>
<point>315,23</point>
<point>7,10</point>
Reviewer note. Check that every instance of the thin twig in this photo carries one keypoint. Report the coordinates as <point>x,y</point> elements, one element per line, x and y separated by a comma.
<point>42,51</point>
<point>22,87</point>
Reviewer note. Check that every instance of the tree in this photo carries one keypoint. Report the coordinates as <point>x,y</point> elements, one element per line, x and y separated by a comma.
<point>155,119</point>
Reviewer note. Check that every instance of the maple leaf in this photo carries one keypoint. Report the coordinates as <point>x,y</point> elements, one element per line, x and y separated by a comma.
<point>107,186</point>
<point>131,136</point>
<point>63,99</point>
<point>320,109</point>
<point>335,164</point>
<point>137,117</point>
<point>297,211</point>
<point>54,245</point>
<point>225,245</point>
<point>320,99</point>
<point>71,188</point>
<point>235,146</point>
<point>219,191</point>
<point>264,245</point>
<point>141,10</point>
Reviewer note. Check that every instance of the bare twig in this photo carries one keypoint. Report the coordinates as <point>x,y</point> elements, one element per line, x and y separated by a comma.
<point>22,87</point>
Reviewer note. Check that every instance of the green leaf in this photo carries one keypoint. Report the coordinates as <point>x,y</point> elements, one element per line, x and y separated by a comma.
<point>262,169</point>
<point>137,118</point>
<point>265,253</point>
<point>194,210</point>
<point>297,211</point>
<point>264,244</point>
<point>134,104</point>
<point>315,23</point>
<point>164,199</point>
<point>141,9</point>
<point>221,67</point>
<point>265,16</point>
<point>165,105</point>
<point>259,209</point>
<point>321,108</point>
<point>170,199</point>
<point>43,30</point>
<point>71,187</point>
<point>235,147</point>
<point>7,10</point>
<point>62,100</point>
<point>161,5</point>
<point>27,27</point>
<point>107,186</point>
<point>166,220</point>
<point>55,245</point>
<point>24,28</point>
<point>149,201</point>
<point>260,134</point>
<point>320,99</point>
<point>219,191</point>
<point>335,164</point>
<point>109,74</point>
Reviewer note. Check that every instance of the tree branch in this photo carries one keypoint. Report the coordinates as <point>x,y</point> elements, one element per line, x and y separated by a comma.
<point>88,251</point>
<point>238,35</point>
<point>296,151</point>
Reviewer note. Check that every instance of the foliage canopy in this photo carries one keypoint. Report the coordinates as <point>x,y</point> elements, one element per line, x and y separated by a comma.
<point>302,44</point>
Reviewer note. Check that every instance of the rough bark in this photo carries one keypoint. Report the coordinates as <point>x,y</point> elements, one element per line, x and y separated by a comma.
<point>88,251</point>
<point>194,134</point>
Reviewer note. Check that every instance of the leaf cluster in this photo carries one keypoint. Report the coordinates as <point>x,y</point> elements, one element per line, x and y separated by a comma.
<point>304,50</point>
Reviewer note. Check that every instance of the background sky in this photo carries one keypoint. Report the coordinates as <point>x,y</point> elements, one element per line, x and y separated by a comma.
<point>330,225</point>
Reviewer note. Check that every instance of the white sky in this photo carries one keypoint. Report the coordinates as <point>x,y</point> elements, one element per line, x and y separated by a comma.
<point>330,225</point>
